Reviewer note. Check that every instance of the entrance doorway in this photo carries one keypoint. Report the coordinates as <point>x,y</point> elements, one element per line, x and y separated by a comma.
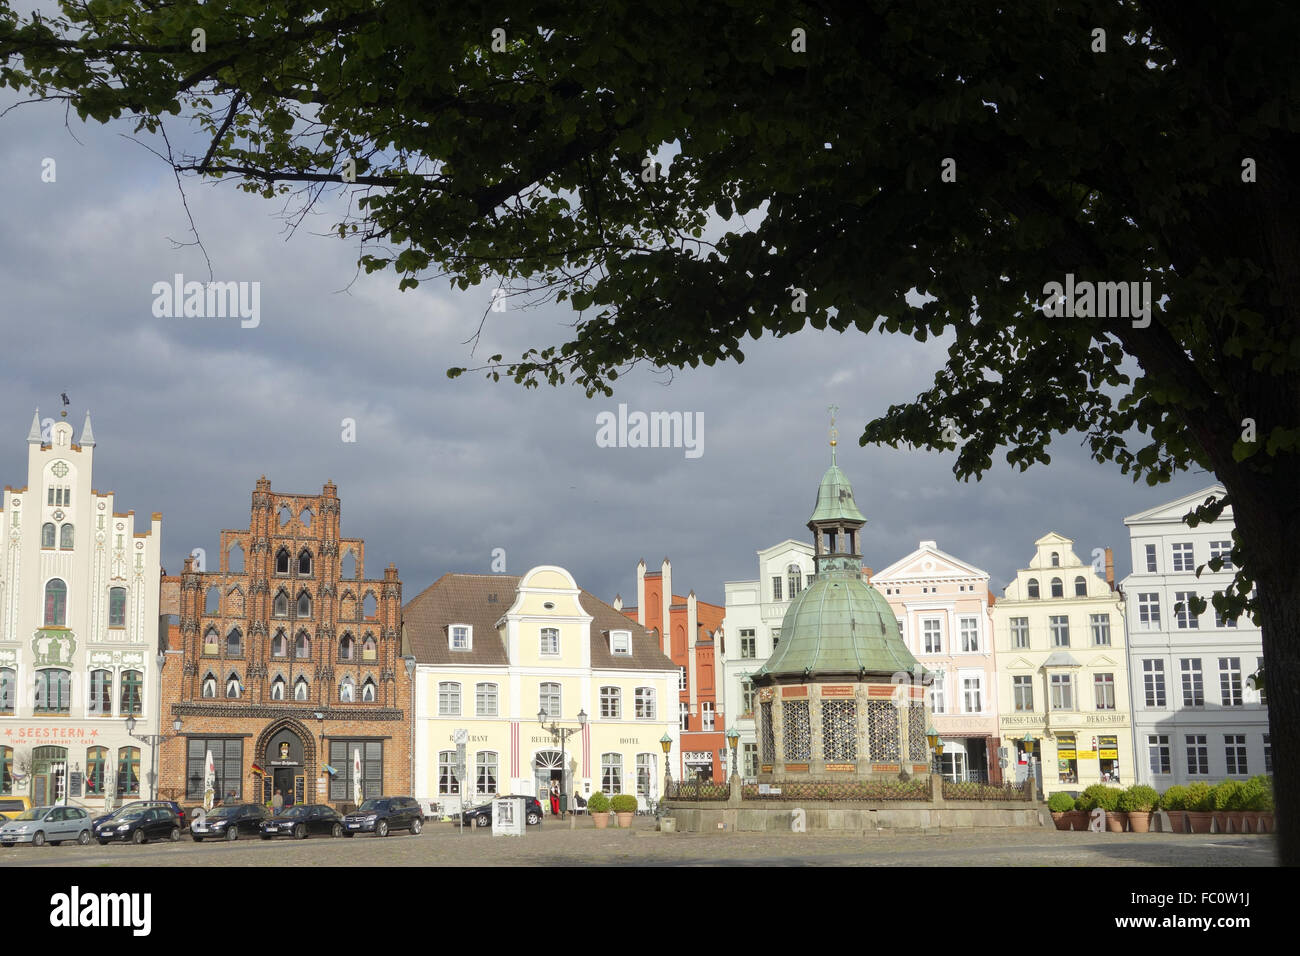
<point>48,767</point>
<point>284,783</point>
<point>284,752</point>
<point>548,765</point>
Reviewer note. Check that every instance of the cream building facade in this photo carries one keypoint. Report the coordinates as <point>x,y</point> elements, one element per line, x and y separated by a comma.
<point>492,651</point>
<point>79,631</point>
<point>1063,675</point>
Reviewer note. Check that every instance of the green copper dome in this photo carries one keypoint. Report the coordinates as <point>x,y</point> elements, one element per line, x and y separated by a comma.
<point>835,498</point>
<point>839,625</point>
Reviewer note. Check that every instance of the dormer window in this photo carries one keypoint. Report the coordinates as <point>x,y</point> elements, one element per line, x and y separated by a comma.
<point>1056,559</point>
<point>459,637</point>
<point>550,641</point>
<point>620,642</point>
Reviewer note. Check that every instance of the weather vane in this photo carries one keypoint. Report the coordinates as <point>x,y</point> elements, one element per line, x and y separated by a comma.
<point>834,433</point>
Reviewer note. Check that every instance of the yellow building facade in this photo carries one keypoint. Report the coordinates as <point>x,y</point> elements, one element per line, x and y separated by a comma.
<point>1063,672</point>
<point>494,651</point>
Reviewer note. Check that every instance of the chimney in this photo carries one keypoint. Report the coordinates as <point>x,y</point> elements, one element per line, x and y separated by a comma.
<point>1110,568</point>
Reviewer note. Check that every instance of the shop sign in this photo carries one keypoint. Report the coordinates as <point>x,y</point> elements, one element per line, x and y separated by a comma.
<point>837,691</point>
<point>800,691</point>
<point>1109,746</point>
<point>1065,747</point>
<point>796,767</point>
<point>841,766</point>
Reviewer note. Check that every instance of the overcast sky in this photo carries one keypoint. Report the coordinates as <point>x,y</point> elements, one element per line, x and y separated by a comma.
<point>188,412</point>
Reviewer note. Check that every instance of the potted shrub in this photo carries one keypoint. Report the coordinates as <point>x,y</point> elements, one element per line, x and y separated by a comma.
<point>1174,802</point>
<point>1107,798</point>
<point>1257,797</point>
<point>598,805</point>
<point>624,806</point>
<point>1064,815</point>
<point>1227,811</point>
<point>1138,801</point>
<point>1200,804</point>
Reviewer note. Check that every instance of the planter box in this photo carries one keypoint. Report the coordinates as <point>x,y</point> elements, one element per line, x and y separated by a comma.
<point>1116,822</point>
<point>1199,821</point>
<point>1263,821</point>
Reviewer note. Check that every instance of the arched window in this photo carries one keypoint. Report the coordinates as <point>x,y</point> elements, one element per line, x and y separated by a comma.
<point>96,757</point>
<point>549,698</point>
<point>234,643</point>
<point>6,769</point>
<point>1058,588</point>
<point>794,578</point>
<point>304,561</point>
<point>65,538</point>
<point>282,561</point>
<point>347,647</point>
<point>285,515</point>
<point>101,693</point>
<point>611,773</point>
<point>279,644</point>
<point>233,688</point>
<point>53,691</point>
<point>300,689</point>
<point>369,605</point>
<point>281,606</point>
<point>368,691</point>
<point>128,771</point>
<point>8,690</point>
<point>47,535</point>
<point>348,569</point>
<point>302,645</point>
<point>1080,586</point>
<point>304,604</point>
<point>277,689</point>
<point>305,517</point>
<point>212,601</point>
<point>117,607</point>
<point>1056,559</point>
<point>448,699</point>
<point>56,603</point>
<point>132,692</point>
<point>645,703</point>
<point>611,703</point>
<point>209,686</point>
<point>346,691</point>
<point>210,640</point>
<point>235,559</point>
<point>1033,587</point>
<point>369,649</point>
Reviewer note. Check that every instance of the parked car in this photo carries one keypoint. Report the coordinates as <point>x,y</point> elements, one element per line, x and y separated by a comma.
<point>10,807</point>
<point>379,815</point>
<point>171,805</point>
<point>482,816</point>
<point>140,825</point>
<point>303,820</point>
<point>227,822</point>
<point>40,825</point>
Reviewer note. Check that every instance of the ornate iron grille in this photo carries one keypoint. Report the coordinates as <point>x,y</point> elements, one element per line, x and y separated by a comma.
<point>917,746</point>
<point>882,730</point>
<point>695,790</point>
<point>973,790</point>
<point>797,730</point>
<point>840,729</point>
<point>862,791</point>
<point>769,736</point>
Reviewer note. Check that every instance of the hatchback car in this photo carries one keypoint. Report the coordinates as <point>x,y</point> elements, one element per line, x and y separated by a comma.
<point>227,822</point>
<point>171,805</point>
<point>482,816</point>
<point>139,825</point>
<point>302,821</point>
<point>382,814</point>
<point>40,825</point>
<point>10,807</point>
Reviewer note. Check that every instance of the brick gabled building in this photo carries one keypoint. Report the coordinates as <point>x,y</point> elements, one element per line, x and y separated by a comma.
<point>290,663</point>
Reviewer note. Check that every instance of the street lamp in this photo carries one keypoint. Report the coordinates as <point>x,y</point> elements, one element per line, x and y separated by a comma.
<point>1029,749</point>
<point>666,743</point>
<point>153,740</point>
<point>936,745</point>
<point>562,734</point>
<point>733,738</point>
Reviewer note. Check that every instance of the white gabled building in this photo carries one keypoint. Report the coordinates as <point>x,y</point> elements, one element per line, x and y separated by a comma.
<point>79,631</point>
<point>1196,716</point>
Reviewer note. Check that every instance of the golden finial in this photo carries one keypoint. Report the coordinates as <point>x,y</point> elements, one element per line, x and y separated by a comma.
<point>834,432</point>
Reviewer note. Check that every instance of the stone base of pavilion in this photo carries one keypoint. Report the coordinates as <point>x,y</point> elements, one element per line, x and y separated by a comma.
<point>807,806</point>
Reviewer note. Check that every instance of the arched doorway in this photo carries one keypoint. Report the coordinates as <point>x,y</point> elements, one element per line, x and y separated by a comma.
<point>287,753</point>
<point>48,775</point>
<point>548,765</point>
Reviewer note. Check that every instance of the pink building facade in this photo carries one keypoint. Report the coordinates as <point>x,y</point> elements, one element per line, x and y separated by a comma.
<point>945,611</point>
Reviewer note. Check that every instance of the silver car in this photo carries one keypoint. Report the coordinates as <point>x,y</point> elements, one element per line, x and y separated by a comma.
<point>41,825</point>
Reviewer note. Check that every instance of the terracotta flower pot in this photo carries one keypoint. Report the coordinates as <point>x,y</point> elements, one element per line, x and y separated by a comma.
<point>1140,821</point>
<point>1178,821</point>
<point>1070,820</point>
<point>1264,819</point>
<point>624,819</point>
<point>1222,821</point>
<point>602,820</point>
<point>1116,821</point>
<point>1199,820</point>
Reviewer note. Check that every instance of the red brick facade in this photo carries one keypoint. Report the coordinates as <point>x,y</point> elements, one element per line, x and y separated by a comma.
<point>288,618</point>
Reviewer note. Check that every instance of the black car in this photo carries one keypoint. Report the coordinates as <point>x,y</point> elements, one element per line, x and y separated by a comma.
<point>171,805</point>
<point>227,822</point>
<point>382,814</point>
<point>139,825</point>
<point>302,821</point>
<point>482,816</point>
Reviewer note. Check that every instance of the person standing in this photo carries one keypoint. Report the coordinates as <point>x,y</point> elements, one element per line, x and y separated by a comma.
<point>277,802</point>
<point>555,799</point>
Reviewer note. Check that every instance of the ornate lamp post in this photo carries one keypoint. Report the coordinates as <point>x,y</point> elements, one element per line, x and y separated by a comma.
<point>936,745</point>
<point>733,738</point>
<point>562,734</point>
<point>1029,749</point>
<point>153,740</point>
<point>666,743</point>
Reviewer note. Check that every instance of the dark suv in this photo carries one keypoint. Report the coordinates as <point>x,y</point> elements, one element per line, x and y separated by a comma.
<point>382,814</point>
